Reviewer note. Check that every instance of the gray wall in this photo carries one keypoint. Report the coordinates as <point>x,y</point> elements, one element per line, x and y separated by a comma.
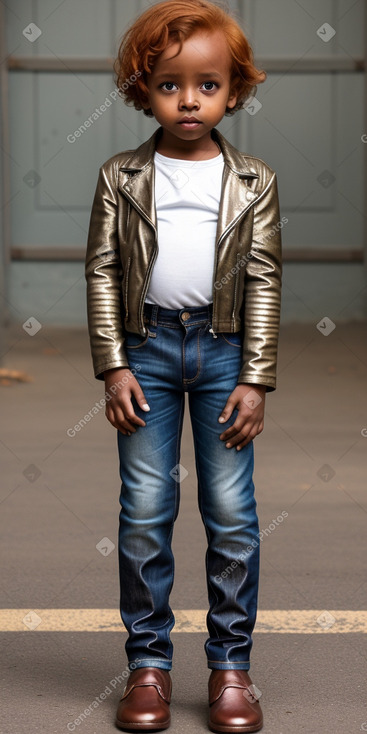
<point>309,123</point>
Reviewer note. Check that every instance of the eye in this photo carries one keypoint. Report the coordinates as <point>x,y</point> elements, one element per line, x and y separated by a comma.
<point>168,86</point>
<point>209,86</point>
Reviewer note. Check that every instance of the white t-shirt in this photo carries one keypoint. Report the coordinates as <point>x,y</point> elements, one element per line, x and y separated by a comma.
<point>187,196</point>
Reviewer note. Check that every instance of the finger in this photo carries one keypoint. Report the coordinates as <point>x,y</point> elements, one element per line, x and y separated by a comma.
<point>129,415</point>
<point>131,420</point>
<point>124,433</point>
<point>243,438</point>
<point>238,444</point>
<point>240,433</point>
<point>140,398</point>
<point>118,419</point>
<point>244,419</point>
<point>227,411</point>
<point>235,428</point>
<point>246,441</point>
<point>118,426</point>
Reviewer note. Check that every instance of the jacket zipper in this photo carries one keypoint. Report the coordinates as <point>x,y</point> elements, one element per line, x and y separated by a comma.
<point>235,286</point>
<point>126,287</point>
<point>144,331</point>
<point>150,266</point>
<point>224,234</point>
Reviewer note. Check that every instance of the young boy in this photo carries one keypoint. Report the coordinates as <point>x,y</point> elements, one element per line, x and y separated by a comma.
<point>183,271</point>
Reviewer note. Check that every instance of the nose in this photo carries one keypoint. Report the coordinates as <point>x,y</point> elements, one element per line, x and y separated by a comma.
<point>188,99</point>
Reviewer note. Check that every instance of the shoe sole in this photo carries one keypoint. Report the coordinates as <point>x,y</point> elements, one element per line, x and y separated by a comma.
<point>142,727</point>
<point>233,729</point>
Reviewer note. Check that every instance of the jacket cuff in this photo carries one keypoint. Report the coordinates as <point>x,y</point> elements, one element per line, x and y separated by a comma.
<point>257,379</point>
<point>100,369</point>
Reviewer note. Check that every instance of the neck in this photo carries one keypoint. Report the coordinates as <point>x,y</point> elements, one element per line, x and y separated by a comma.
<point>195,150</point>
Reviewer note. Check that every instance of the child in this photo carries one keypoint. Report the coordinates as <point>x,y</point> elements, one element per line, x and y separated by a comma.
<point>183,270</point>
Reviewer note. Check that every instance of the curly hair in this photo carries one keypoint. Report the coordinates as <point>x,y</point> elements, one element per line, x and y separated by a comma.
<point>174,21</point>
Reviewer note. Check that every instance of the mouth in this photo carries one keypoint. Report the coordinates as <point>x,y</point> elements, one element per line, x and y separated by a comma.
<point>189,122</point>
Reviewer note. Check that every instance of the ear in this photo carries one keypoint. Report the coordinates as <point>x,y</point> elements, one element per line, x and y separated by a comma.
<point>232,100</point>
<point>146,103</point>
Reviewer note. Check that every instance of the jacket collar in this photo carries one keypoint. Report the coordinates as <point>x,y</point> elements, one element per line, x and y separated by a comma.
<point>138,185</point>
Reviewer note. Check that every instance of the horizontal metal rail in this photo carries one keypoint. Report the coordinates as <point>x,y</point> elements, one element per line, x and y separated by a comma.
<point>289,64</point>
<point>77,254</point>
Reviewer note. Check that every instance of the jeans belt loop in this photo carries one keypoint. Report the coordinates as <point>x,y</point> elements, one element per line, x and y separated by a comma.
<point>154,315</point>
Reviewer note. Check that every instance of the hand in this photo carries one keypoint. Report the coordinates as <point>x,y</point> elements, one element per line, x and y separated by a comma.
<point>250,401</point>
<point>121,384</point>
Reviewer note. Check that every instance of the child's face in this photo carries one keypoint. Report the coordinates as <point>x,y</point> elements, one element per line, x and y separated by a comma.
<point>196,83</point>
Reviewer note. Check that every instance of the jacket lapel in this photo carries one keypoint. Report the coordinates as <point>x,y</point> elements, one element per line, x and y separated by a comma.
<point>136,182</point>
<point>236,195</point>
<point>136,178</point>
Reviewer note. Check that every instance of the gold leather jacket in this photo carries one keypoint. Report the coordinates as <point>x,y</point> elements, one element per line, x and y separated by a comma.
<point>122,248</point>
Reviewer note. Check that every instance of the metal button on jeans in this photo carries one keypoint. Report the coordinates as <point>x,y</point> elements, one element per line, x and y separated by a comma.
<point>185,315</point>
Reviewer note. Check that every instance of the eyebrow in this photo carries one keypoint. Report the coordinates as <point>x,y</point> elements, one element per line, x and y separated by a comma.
<point>164,75</point>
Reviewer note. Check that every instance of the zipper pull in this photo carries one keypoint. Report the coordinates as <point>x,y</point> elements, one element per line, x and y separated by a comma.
<point>214,335</point>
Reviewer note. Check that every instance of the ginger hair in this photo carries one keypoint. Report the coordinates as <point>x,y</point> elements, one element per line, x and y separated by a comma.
<point>173,21</point>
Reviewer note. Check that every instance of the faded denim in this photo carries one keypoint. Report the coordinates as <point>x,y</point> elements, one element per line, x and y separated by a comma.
<point>180,354</point>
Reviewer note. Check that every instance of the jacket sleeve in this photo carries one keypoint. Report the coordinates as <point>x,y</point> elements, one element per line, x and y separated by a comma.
<point>262,299</point>
<point>103,273</point>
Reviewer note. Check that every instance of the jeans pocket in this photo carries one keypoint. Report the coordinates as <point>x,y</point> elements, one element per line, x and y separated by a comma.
<point>134,340</point>
<point>232,338</point>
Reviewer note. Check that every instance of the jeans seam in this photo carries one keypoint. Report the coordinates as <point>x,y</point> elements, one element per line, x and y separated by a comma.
<point>207,532</point>
<point>160,660</point>
<point>196,323</point>
<point>228,662</point>
<point>168,326</point>
<point>221,333</point>
<point>190,380</point>
<point>179,433</point>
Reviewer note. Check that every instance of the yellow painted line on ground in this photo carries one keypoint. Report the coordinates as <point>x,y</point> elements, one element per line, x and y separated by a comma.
<point>283,621</point>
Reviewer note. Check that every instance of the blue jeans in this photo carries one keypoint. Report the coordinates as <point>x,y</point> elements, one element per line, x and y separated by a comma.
<point>178,354</point>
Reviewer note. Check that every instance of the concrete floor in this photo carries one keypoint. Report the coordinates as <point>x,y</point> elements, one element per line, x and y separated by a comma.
<point>59,498</point>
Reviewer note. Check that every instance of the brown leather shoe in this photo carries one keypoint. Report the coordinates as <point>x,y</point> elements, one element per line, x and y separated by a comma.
<point>145,701</point>
<point>234,702</point>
